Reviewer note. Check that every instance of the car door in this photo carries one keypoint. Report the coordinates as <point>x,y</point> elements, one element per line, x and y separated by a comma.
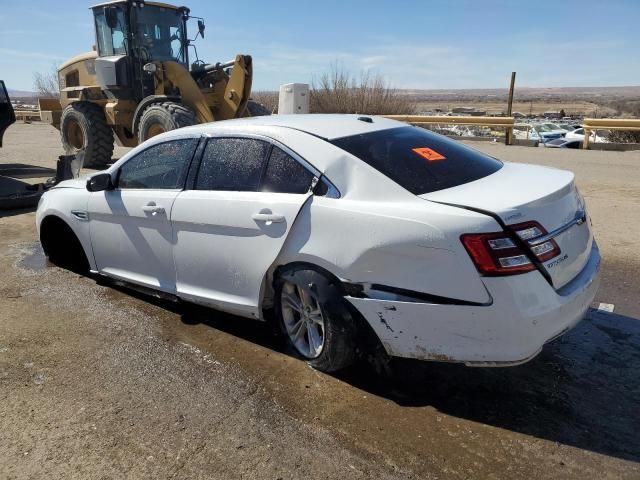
<point>131,234</point>
<point>232,224</point>
<point>7,115</point>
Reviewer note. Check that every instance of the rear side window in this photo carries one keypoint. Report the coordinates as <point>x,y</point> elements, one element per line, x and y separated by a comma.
<point>162,166</point>
<point>419,160</point>
<point>234,164</point>
<point>285,174</point>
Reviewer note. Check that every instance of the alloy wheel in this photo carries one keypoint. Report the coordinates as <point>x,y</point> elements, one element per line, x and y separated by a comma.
<point>303,319</point>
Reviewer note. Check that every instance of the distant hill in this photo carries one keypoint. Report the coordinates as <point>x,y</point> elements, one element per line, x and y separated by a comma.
<point>591,101</point>
<point>21,93</point>
<point>584,93</point>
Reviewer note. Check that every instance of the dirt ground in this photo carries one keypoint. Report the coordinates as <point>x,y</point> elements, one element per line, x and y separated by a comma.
<point>98,382</point>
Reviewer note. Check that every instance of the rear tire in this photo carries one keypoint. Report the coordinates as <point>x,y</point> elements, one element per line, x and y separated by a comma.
<point>83,126</point>
<point>163,117</point>
<point>320,314</point>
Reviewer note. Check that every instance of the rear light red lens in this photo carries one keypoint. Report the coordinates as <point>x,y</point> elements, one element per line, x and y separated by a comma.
<point>496,254</point>
<point>529,230</point>
<point>508,259</point>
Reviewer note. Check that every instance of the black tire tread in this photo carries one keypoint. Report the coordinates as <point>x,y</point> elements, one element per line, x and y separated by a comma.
<point>176,114</point>
<point>99,144</point>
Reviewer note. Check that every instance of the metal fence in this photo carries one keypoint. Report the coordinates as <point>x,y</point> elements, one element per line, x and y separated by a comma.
<point>595,124</point>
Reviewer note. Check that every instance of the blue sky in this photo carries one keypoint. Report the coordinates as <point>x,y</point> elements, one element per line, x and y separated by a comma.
<point>414,44</point>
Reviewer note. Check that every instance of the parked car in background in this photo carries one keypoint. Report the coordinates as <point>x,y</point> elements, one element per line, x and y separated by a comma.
<point>578,134</point>
<point>568,127</point>
<point>546,133</point>
<point>553,128</point>
<point>564,143</point>
<point>537,132</point>
<point>348,229</point>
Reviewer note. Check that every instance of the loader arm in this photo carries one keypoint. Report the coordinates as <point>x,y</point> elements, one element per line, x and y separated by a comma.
<point>238,89</point>
<point>191,94</point>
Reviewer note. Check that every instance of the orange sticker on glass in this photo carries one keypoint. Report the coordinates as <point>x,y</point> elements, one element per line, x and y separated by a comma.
<point>429,154</point>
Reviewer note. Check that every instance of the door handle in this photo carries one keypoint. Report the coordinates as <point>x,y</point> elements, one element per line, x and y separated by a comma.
<point>152,208</point>
<point>268,217</point>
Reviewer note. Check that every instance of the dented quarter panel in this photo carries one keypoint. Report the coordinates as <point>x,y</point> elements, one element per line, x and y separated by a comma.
<point>397,245</point>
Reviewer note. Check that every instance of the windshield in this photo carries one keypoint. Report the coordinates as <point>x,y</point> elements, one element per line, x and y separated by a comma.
<point>160,33</point>
<point>419,160</point>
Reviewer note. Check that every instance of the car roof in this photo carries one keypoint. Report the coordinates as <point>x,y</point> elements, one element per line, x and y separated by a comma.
<point>326,126</point>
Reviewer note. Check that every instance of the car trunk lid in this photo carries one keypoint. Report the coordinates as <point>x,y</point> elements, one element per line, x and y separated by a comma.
<point>519,193</point>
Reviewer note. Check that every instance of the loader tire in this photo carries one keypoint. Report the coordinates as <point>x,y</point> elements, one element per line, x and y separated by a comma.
<point>257,109</point>
<point>83,126</point>
<point>158,118</point>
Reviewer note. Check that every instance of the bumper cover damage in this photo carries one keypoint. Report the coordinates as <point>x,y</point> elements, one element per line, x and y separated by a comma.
<point>526,312</point>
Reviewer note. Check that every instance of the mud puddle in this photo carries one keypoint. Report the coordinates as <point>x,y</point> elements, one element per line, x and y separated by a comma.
<point>35,259</point>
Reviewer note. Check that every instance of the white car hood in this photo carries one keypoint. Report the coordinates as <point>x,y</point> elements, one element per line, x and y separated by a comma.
<point>80,182</point>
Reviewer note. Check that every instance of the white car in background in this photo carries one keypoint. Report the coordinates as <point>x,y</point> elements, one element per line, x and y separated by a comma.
<point>578,134</point>
<point>553,128</point>
<point>347,228</point>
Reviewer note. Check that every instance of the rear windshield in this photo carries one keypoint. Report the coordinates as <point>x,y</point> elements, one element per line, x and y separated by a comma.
<point>419,160</point>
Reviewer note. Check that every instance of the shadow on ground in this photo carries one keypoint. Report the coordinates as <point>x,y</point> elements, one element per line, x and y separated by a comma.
<point>22,170</point>
<point>17,197</point>
<point>583,390</point>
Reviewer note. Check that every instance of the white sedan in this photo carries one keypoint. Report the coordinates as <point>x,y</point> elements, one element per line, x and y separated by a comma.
<point>578,134</point>
<point>349,231</point>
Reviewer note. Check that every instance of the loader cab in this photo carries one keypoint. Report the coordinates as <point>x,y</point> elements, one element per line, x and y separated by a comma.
<point>132,34</point>
<point>7,115</point>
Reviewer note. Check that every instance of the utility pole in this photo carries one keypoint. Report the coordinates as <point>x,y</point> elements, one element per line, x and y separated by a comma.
<point>508,132</point>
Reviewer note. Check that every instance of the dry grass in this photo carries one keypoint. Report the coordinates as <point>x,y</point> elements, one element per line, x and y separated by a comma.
<point>267,98</point>
<point>339,92</point>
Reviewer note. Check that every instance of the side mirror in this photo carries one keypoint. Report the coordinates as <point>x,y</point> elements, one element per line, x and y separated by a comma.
<point>100,182</point>
<point>111,16</point>
<point>201,28</point>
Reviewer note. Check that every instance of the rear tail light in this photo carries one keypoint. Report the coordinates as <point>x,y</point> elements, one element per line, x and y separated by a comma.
<point>496,254</point>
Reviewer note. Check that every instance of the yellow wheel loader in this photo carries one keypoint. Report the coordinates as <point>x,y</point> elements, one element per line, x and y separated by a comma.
<point>138,82</point>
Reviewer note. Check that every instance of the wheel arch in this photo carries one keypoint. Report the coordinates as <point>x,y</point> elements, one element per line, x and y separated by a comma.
<point>147,101</point>
<point>367,337</point>
<point>277,269</point>
<point>52,223</point>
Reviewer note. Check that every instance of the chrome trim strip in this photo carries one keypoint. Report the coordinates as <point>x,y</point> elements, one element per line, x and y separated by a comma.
<point>579,219</point>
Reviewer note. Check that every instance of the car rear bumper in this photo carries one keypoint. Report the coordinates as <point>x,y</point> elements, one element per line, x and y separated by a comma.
<point>526,313</point>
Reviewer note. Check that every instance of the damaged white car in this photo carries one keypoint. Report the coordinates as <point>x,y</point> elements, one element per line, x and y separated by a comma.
<point>346,227</point>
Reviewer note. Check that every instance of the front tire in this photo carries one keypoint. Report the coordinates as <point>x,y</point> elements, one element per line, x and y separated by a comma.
<point>83,126</point>
<point>62,246</point>
<point>315,319</point>
<point>163,117</point>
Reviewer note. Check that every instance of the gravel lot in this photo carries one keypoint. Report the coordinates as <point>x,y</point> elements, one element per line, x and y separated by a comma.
<point>97,382</point>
